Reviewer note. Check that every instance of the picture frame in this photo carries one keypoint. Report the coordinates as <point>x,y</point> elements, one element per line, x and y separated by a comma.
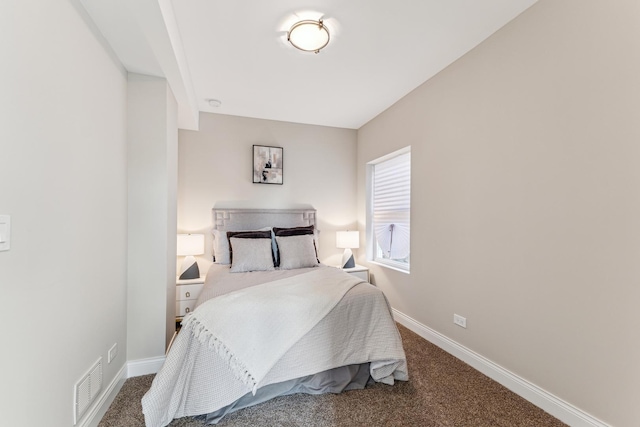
<point>268,164</point>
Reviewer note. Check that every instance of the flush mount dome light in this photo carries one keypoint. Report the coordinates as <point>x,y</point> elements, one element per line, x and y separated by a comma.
<point>309,35</point>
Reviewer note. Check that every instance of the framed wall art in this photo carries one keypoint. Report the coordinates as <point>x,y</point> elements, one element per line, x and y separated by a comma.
<point>267,164</point>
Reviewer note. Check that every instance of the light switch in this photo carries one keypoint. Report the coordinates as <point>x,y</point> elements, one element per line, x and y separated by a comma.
<point>5,232</point>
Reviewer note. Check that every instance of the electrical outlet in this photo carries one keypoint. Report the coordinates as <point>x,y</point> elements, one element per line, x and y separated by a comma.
<point>113,352</point>
<point>460,321</point>
<point>5,232</point>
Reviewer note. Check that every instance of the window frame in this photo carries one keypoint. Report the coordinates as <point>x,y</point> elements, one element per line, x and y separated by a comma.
<point>371,241</point>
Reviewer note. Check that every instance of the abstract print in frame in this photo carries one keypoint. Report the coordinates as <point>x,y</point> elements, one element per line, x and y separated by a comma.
<point>267,164</point>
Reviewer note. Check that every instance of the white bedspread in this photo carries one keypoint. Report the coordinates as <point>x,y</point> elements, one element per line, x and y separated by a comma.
<point>275,315</point>
<point>195,380</point>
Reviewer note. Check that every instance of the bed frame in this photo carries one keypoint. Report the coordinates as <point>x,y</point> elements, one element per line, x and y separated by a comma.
<point>252,219</point>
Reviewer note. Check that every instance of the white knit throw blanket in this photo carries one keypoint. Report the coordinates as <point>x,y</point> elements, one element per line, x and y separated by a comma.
<point>254,327</point>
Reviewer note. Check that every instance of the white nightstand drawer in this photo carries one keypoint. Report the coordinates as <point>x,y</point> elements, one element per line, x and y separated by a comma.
<point>358,271</point>
<point>364,275</point>
<point>188,292</point>
<point>185,306</point>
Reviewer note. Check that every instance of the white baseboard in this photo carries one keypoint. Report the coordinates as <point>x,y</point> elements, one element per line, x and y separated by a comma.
<point>99,408</point>
<point>555,406</point>
<point>133,368</point>
<point>152,365</point>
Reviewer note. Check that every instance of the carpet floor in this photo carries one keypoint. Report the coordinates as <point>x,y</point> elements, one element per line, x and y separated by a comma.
<point>442,391</point>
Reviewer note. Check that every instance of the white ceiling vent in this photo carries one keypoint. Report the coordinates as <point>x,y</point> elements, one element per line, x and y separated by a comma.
<point>86,390</point>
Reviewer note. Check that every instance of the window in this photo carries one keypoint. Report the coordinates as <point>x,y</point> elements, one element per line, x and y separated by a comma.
<point>389,210</point>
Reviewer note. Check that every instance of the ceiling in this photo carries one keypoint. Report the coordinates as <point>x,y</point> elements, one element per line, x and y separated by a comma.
<point>236,52</point>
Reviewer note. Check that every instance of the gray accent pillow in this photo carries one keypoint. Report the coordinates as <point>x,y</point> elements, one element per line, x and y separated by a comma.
<point>258,234</point>
<point>221,245</point>
<point>297,251</point>
<point>251,255</point>
<point>295,231</point>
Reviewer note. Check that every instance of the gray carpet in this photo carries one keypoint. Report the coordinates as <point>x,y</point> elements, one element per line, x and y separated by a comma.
<point>441,391</point>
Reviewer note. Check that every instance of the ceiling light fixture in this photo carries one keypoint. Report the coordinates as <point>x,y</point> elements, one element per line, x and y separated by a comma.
<point>309,35</point>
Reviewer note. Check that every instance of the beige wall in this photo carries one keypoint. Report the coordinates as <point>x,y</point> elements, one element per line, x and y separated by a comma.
<point>152,163</point>
<point>215,168</point>
<point>63,172</point>
<point>526,201</point>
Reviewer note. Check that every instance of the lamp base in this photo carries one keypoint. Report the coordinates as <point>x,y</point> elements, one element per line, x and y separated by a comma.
<point>189,269</point>
<point>347,259</point>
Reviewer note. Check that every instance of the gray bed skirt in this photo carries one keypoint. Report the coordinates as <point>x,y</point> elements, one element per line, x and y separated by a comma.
<point>337,380</point>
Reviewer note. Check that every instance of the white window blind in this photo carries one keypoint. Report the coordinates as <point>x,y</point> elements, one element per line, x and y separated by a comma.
<point>391,210</point>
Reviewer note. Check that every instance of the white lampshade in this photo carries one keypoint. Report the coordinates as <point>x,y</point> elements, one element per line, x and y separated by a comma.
<point>347,239</point>
<point>190,244</point>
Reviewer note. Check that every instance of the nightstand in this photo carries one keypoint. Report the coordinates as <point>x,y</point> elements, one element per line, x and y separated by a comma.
<point>359,271</point>
<point>187,292</point>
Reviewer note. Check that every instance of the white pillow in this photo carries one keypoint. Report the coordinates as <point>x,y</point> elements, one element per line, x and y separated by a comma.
<point>297,251</point>
<point>251,255</point>
<point>221,247</point>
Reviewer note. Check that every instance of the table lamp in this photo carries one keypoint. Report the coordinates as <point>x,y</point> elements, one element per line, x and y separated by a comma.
<point>348,240</point>
<point>188,246</point>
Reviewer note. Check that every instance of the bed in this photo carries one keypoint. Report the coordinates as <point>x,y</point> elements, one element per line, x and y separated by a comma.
<point>271,321</point>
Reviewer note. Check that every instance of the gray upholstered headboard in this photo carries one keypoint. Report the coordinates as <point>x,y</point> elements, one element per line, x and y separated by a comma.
<point>252,219</point>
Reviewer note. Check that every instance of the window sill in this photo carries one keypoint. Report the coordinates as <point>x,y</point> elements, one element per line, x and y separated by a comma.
<point>391,267</point>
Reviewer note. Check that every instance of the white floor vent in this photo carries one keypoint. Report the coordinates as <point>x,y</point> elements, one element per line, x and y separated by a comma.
<point>86,390</point>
